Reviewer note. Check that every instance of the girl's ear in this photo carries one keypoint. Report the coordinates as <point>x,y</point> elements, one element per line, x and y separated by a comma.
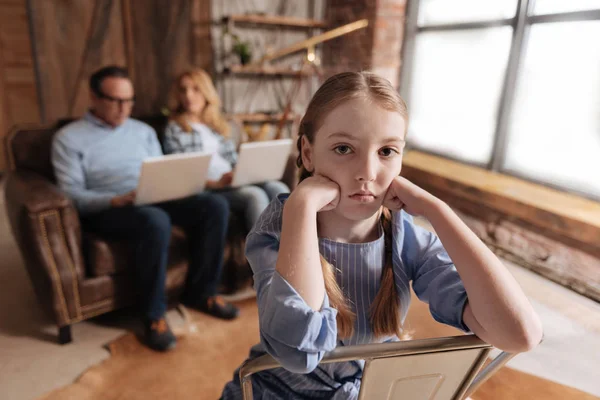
<point>306,154</point>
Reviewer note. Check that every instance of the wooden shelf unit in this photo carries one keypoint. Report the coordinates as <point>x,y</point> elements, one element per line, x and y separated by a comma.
<point>266,70</point>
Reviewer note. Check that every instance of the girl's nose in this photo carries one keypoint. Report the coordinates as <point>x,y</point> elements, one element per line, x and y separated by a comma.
<point>366,169</point>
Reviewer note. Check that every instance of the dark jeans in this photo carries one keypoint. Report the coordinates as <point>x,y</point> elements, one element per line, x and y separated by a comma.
<point>204,217</point>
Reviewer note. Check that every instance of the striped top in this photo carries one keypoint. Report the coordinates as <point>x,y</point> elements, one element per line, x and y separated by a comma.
<point>298,337</point>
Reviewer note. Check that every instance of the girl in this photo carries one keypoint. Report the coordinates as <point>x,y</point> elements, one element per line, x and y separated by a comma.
<point>197,125</point>
<point>333,261</point>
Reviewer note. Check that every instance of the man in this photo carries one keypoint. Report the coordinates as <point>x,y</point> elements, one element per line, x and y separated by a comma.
<point>97,162</point>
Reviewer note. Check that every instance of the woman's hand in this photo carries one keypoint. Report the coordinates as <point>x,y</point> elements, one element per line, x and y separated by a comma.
<point>222,183</point>
<point>403,194</point>
<point>320,192</point>
<point>226,179</point>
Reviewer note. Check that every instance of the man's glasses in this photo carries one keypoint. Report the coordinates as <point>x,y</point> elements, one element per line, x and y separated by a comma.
<point>116,100</point>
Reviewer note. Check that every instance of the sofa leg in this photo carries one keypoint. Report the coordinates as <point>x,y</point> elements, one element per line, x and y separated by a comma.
<point>64,334</point>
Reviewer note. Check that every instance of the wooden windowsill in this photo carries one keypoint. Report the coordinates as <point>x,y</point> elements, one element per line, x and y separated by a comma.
<point>560,212</point>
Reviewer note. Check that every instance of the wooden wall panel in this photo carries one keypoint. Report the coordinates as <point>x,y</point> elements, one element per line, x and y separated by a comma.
<point>72,39</point>
<point>161,48</point>
<point>105,46</point>
<point>48,49</point>
<point>19,102</point>
<point>18,65</point>
<point>4,117</point>
<point>202,47</point>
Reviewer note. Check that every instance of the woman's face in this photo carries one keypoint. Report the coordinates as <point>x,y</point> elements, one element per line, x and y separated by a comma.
<point>190,96</point>
<point>359,146</point>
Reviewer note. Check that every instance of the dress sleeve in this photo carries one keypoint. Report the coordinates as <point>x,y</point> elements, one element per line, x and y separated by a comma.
<point>292,332</point>
<point>435,279</point>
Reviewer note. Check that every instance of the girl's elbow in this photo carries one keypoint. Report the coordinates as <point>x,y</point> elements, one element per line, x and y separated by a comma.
<point>528,337</point>
<point>533,336</point>
<point>292,358</point>
<point>302,362</point>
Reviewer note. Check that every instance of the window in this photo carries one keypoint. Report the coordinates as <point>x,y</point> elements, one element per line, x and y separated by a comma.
<point>464,70</point>
<point>513,86</point>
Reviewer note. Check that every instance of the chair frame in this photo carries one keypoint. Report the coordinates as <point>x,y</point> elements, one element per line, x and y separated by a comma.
<point>369,352</point>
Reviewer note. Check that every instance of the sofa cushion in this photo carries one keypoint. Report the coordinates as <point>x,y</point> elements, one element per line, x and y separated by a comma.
<point>105,257</point>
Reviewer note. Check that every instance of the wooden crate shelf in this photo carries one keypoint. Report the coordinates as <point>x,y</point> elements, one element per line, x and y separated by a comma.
<point>275,20</point>
<point>262,117</point>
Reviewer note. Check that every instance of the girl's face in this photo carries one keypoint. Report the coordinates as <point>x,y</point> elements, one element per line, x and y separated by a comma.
<point>359,147</point>
<point>190,96</point>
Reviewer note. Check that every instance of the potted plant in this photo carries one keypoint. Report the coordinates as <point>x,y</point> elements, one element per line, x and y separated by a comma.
<point>242,50</point>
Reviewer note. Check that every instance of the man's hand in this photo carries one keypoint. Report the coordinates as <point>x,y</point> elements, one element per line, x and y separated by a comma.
<point>123,200</point>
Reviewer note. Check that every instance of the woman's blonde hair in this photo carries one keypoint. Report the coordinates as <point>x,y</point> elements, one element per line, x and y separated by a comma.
<point>385,310</point>
<point>211,114</point>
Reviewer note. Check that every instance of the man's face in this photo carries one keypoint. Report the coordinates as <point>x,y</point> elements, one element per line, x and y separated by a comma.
<point>113,105</point>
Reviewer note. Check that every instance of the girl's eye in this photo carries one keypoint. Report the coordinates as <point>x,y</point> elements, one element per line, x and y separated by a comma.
<point>388,152</point>
<point>343,149</point>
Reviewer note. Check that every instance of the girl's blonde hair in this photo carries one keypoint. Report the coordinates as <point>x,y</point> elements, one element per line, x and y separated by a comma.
<point>385,310</point>
<point>211,114</point>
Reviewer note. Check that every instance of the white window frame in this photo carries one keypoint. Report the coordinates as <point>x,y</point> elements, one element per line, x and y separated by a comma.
<point>521,24</point>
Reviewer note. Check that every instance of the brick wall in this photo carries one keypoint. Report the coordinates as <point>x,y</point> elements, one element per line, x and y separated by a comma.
<point>376,47</point>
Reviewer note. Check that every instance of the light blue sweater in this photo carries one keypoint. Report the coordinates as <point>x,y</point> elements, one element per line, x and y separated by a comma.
<point>93,162</point>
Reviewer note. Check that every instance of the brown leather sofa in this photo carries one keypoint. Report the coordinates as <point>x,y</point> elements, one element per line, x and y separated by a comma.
<point>77,275</point>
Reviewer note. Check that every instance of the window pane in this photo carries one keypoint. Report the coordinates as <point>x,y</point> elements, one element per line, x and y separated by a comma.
<point>554,134</point>
<point>455,91</point>
<point>447,11</point>
<point>557,6</point>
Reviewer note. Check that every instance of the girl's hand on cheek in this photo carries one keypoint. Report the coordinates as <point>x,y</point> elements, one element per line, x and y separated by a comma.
<point>403,194</point>
<point>319,191</point>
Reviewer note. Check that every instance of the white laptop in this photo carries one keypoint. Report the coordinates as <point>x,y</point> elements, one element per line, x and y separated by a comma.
<point>172,177</point>
<point>261,161</point>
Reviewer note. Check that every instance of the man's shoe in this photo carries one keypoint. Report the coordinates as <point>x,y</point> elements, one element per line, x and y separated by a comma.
<point>159,336</point>
<point>217,307</point>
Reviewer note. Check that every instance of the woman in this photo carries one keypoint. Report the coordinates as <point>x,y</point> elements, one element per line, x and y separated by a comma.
<point>197,125</point>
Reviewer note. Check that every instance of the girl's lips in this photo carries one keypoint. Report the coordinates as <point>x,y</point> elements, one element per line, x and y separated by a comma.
<point>363,197</point>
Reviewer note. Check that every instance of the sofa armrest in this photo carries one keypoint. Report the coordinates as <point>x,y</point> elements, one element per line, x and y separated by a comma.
<point>34,192</point>
<point>46,227</point>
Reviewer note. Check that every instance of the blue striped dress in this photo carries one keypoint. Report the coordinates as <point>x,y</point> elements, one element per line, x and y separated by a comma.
<point>298,337</point>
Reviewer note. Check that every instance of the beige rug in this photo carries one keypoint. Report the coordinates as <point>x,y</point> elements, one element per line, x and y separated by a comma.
<point>207,353</point>
<point>209,350</point>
